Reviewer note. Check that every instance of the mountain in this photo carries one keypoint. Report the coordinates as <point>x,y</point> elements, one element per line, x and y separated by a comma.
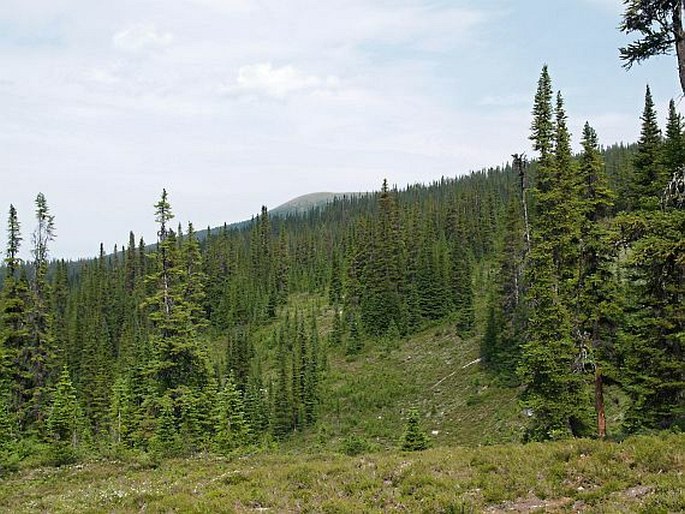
<point>304,203</point>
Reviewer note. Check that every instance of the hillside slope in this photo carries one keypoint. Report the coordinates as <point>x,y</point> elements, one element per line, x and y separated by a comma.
<point>436,372</point>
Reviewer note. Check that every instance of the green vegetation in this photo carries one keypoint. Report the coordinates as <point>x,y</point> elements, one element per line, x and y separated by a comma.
<point>532,302</point>
<point>640,474</point>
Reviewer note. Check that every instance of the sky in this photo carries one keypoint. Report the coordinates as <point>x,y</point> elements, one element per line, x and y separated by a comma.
<point>235,104</point>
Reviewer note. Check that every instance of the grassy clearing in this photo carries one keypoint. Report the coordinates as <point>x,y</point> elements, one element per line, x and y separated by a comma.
<point>641,474</point>
<point>434,372</point>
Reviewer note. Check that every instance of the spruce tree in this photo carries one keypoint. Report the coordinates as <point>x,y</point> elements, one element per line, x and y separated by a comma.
<point>12,259</point>
<point>282,419</point>
<point>674,144</point>
<point>335,288</point>
<point>597,311</point>
<point>553,392</point>
<point>649,176</point>
<point>461,276</point>
<point>542,127</point>
<point>8,430</point>
<point>179,368</point>
<point>64,423</point>
<point>382,301</point>
<point>651,356</point>
<point>14,328</point>
<point>414,439</point>
<point>121,411</point>
<point>231,427</point>
<point>39,355</point>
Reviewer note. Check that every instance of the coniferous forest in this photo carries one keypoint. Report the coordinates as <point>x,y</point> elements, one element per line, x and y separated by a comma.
<point>564,271</point>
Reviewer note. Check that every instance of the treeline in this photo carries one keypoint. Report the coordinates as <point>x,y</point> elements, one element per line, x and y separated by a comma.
<point>590,290</point>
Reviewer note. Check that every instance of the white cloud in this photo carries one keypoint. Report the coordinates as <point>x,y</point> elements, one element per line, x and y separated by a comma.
<point>263,79</point>
<point>141,37</point>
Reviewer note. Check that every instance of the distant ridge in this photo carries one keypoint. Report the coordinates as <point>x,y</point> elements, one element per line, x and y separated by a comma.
<point>295,207</point>
<point>304,203</point>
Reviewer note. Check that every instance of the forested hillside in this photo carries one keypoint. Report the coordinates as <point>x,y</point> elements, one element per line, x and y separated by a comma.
<point>573,265</point>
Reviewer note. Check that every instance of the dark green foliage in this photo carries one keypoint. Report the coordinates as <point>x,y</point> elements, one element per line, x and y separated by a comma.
<point>166,440</point>
<point>257,407</point>
<point>8,429</point>
<point>554,394</point>
<point>64,427</point>
<point>12,260</point>
<point>355,343</point>
<point>596,310</point>
<point>282,420</point>
<point>354,445</point>
<point>383,256</point>
<point>460,272</point>
<point>674,143</point>
<point>121,413</point>
<point>414,439</point>
<point>505,325</point>
<point>542,127</point>
<point>649,178</point>
<point>39,355</point>
<point>231,427</point>
<point>652,345</point>
<point>335,289</point>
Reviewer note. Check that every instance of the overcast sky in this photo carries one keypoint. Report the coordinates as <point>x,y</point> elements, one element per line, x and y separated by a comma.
<point>232,104</point>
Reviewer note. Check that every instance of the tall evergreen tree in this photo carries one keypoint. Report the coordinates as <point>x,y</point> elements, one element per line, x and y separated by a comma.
<point>649,176</point>
<point>14,330</point>
<point>674,144</point>
<point>552,391</point>
<point>39,355</point>
<point>542,127</point>
<point>179,368</point>
<point>596,308</point>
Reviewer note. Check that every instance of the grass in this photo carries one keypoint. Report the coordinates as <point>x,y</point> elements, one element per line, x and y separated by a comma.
<point>640,474</point>
<point>433,371</point>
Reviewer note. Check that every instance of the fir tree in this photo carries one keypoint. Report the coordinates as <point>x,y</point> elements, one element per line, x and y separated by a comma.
<point>553,392</point>
<point>649,177</point>
<point>39,355</point>
<point>674,144</point>
<point>231,427</point>
<point>178,368</point>
<point>64,424</point>
<point>542,127</point>
<point>597,310</point>
<point>414,439</point>
<point>652,363</point>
